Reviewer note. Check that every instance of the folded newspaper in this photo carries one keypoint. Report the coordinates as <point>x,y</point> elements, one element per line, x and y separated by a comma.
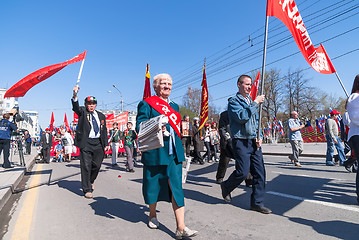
<point>150,135</point>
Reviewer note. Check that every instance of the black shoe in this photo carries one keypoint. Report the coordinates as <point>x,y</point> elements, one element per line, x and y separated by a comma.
<point>249,182</point>
<point>226,196</point>
<point>131,171</point>
<point>219,180</point>
<point>261,209</point>
<point>8,167</point>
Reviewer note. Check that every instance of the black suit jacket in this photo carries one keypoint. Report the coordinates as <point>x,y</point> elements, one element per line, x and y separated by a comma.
<point>84,127</point>
<point>43,140</point>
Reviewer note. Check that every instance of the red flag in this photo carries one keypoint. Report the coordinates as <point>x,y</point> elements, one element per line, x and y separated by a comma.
<point>68,129</point>
<point>24,85</point>
<point>147,91</point>
<point>204,99</point>
<point>254,89</point>
<point>76,118</point>
<point>288,13</point>
<point>52,122</point>
<point>110,118</point>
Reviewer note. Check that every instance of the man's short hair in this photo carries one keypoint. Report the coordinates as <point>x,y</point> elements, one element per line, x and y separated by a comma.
<point>6,116</point>
<point>242,77</point>
<point>115,124</point>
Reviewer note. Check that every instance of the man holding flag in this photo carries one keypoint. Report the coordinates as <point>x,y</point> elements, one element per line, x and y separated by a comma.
<point>91,138</point>
<point>244,126</point>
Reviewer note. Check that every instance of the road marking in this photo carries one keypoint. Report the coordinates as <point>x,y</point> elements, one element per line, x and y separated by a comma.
<point>335,205</point>
<point>23,222</point>
<point>304,175</point>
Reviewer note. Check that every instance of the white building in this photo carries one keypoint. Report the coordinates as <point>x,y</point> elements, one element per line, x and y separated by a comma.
<point>6,104</point>
<point>35,127</point>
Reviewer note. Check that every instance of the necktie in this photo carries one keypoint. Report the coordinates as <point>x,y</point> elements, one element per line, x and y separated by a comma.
<point>94,123</point>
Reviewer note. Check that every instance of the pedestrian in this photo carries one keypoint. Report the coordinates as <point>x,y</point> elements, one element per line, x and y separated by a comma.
<point>197,158</point>
<point>215,139</point>
<point>28,142</point>
<point>207,142</point>
<point>186,131</point>
<point>351,164</point>
<point>353,134</point>
<point>162,170</point>
<point>46,142</point>
<point>6,128</point>
<point>295,138</point>
<point>333,139</point>
<point>244,127</point>
<point>129,137</point>
<point>59,152</point>
<point>91,139</point>
<point>115,135</point>
<point>68,143</point>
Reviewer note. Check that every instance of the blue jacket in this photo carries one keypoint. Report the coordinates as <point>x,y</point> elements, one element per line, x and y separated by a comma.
<point>243,118</point>
<point>6,128</point>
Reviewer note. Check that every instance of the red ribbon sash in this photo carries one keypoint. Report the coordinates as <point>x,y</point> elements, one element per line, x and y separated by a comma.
<point>161,106</point>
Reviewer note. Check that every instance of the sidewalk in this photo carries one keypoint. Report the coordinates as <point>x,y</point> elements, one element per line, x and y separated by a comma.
<point>284,149</point>
<point>10,178</point>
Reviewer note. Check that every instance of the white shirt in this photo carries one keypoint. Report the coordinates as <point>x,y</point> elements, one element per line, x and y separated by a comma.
<point>353,112</point>
<point>92,132</point>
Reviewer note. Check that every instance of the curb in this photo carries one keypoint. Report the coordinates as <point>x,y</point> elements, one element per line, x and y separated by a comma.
<point>12,186</point>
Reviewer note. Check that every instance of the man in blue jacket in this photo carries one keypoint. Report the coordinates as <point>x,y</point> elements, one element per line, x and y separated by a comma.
<point>243,120</point>
<point>6,128</point>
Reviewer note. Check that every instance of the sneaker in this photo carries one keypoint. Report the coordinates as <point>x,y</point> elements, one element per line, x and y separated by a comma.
<point>186,233</point>
<point>261,209</point>
<point>88,195</point>
<point>297,164</point>
<point>153,223</point>
<point>330,164</point>
<point>226,196</point>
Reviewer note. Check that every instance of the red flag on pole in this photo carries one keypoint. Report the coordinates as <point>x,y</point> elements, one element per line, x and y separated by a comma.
<point>254,89</point>
<point>288,13</point>
<point>147,91</point>
<point>52,122</point>
<point>24,85</point>
<point>76,118</point>
<point>67,126</point>
<point>204,99</point>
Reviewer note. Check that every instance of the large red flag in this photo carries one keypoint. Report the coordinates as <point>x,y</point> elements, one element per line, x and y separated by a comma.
<point>24,85</point>
<point>147,91</point>
<point>52,122</point>
<point>110,118</point>
<point>67,126</point>
<point>254,88</point>
<point>287,12</point>
<point>204,99</point>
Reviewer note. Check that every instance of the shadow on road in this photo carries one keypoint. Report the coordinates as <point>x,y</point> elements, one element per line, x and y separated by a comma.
<point>128,211</point>
<point>337,229</point>
<point>72,186</point>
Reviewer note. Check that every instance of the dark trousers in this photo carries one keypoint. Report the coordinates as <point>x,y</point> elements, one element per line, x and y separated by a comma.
<point>28,147</point>
<point>207,154</point>
<point>186,143</point>
<point>223,164</point>
<point>91,157</point>
<point>248,159</point>
<point>5,149</point>
<point>46,154</point>
<point>354,141</point>
<point>197,155</point>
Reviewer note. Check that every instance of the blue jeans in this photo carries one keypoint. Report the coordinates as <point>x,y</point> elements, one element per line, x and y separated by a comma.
<point>330,149</point>
<point>248,159</point>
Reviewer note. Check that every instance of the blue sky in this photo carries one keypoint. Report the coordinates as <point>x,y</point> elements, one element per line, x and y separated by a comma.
<point>121,37</point>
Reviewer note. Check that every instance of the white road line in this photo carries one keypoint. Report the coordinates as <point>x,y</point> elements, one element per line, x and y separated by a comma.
<point>335,205</point>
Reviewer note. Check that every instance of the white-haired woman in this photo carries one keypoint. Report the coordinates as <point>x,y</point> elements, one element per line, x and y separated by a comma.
<point>162,171</point>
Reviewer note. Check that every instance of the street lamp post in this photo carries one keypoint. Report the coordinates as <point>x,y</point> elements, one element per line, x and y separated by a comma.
<point>121,97</point>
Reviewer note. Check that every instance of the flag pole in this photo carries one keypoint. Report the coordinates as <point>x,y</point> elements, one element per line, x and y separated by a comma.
<point>263,73</point>
<point>341,83</point>
<point>80,72</point>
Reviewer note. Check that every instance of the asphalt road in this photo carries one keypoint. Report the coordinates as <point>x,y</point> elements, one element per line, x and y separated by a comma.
<point>312,202</point>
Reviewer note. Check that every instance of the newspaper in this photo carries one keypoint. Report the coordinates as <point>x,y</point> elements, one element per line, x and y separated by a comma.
<point>150,135</point>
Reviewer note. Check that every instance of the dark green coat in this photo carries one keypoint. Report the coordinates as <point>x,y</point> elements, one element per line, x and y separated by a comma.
<point>158,156</point>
